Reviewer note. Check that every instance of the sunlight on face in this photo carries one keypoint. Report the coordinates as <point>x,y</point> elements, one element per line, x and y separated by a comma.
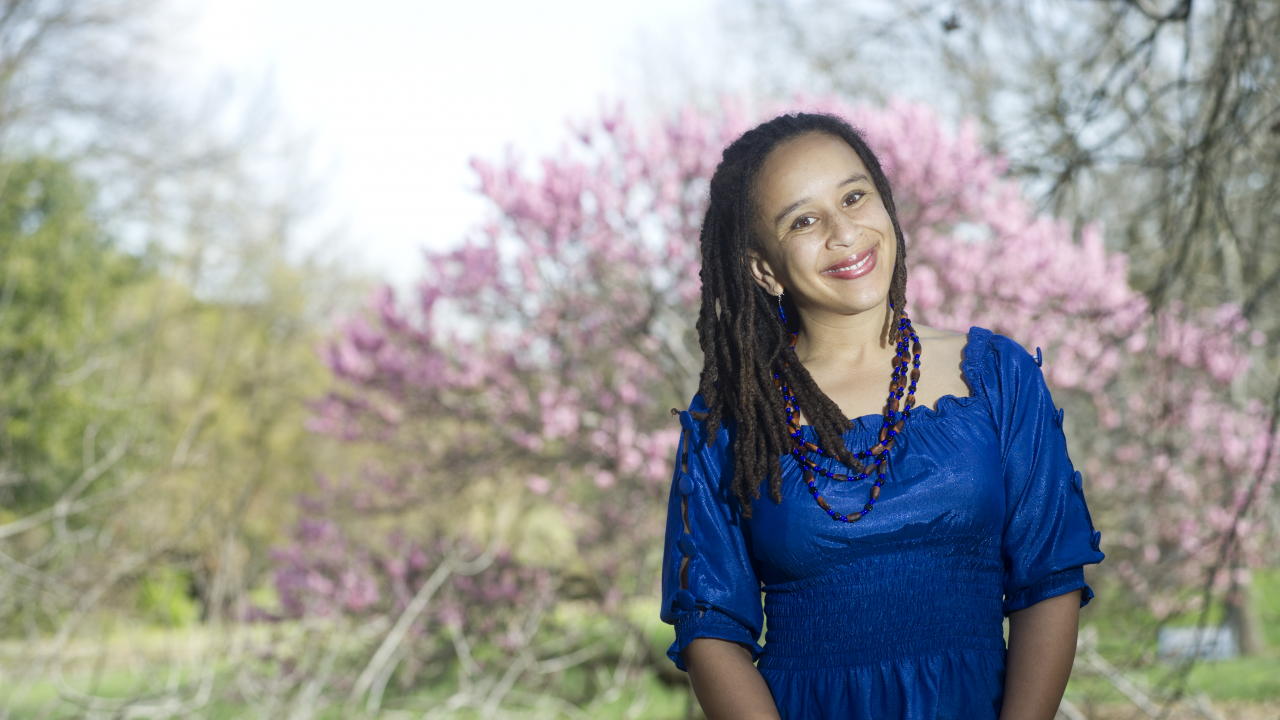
<point>824,234</point>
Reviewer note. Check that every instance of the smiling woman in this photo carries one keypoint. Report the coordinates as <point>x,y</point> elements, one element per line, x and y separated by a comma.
<point>838,219</point>
<point>825,247</point>
<point>896,613</point>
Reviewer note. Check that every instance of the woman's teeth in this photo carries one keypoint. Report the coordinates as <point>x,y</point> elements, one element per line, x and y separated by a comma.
<point>854,266</point>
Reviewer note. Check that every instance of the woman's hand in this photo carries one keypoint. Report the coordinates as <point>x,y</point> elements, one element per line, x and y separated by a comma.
<point>727,684</point>
<point>1042,645</point>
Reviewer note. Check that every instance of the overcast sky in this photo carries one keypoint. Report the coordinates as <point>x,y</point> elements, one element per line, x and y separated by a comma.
<point>396,96</point>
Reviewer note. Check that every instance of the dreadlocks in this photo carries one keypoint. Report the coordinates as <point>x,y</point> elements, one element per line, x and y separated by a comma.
<point>743,342</point>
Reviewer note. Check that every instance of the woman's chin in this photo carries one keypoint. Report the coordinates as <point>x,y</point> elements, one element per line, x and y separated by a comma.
<point>865,300</point>
<point>855,307</point>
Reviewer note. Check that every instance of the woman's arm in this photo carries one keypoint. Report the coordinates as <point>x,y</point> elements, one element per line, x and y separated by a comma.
<point>727,684</point>
<point>1042,644</point>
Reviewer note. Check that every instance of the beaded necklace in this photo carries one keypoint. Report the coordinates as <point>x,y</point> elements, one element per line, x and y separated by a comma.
<point>893,424</point>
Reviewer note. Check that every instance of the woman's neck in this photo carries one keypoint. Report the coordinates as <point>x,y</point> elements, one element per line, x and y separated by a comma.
<point>829,337</point>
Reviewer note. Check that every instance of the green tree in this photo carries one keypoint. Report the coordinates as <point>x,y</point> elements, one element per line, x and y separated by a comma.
<point>62,279</point>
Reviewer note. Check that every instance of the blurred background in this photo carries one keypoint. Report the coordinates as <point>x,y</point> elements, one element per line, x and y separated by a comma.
<point>338,343</point>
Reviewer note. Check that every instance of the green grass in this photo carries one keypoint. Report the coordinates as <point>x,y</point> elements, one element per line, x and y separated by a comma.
<point>1249,679</point>
<point>660,702</point>
<point>135,661</point>
<point>1254,678</point>
<point>1125,638</point>
<point>1266,596</point>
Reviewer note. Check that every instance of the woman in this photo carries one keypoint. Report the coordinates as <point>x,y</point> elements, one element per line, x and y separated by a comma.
<point>890,547</point>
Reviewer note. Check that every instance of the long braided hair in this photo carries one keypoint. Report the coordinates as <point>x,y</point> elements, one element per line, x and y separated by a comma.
<point>743,342</point>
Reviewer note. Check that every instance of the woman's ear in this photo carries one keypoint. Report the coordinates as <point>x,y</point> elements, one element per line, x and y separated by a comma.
<point>762,273</point>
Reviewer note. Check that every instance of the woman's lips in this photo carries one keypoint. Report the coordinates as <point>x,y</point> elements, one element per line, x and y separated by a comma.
<point>853,267</point>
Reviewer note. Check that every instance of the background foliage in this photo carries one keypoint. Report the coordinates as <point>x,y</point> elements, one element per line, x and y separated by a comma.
<point>215,502</point>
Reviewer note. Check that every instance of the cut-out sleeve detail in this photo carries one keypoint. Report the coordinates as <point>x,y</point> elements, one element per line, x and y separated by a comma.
<point>709,588</point>
<point>1048,534</point>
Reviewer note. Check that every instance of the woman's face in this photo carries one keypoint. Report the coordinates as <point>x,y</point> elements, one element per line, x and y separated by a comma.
<point>824,234</point>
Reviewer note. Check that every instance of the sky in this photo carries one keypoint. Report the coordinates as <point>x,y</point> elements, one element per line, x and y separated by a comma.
<point>395,97</point>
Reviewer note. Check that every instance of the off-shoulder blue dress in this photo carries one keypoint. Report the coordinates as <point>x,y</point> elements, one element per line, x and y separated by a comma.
<point>900,614</point>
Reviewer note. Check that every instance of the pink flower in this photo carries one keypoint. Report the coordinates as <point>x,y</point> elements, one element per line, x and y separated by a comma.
<point>538,485</point>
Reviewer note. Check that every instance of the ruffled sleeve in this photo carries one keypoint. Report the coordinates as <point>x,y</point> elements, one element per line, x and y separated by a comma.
<point>1048,533</point>
<point>708,586</point>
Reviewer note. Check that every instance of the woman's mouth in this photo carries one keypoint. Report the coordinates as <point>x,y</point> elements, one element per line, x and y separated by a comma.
<point>853,267</point>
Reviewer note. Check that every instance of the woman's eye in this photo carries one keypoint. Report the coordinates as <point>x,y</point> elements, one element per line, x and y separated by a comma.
<point>802,222</point>
<point>853,197</point>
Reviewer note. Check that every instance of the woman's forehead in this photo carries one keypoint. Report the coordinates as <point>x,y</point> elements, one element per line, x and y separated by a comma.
<point>804,165</point>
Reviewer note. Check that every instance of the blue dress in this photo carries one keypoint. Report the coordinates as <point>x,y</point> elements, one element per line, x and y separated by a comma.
<point>900,614</point>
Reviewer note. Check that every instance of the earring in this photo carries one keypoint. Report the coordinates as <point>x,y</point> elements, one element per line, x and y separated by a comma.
<point>781,314</point>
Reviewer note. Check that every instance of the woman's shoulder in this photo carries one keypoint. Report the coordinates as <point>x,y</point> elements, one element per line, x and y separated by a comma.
<point>942,343</point>
<point>978,346</point>
<point>990,363</point>
<point>942,374</point>
<point>694,422</point>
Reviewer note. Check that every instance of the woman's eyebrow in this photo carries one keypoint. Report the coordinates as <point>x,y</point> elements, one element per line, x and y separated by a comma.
<point>788,209</point>
<point>857,177</point>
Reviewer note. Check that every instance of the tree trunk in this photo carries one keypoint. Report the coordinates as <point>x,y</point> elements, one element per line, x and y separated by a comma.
<point>1242,618</point>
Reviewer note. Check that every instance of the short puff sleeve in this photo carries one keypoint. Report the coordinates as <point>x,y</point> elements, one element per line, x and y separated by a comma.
<point>708,586</point>
<point>1048,534</point>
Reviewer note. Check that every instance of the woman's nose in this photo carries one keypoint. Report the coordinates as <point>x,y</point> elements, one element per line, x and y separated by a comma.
<point>845,231</point>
